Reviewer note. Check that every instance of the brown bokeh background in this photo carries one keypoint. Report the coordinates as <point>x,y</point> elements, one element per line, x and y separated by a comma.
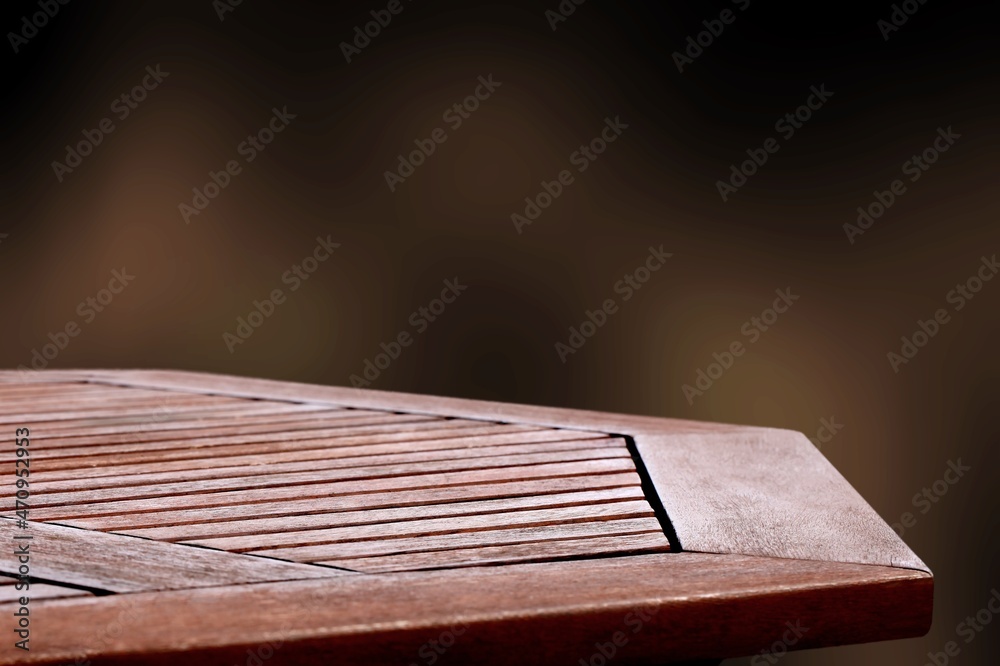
<point>825,358</point>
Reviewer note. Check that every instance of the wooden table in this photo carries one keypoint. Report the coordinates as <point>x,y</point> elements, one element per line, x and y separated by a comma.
<point>225,520</point>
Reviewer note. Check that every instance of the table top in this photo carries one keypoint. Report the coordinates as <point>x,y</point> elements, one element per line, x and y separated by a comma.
<point>237,520</point>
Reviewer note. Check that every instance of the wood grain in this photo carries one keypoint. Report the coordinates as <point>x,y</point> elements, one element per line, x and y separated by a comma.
<point>420,500</point>
<point>270,434</point>
<point>212,513</point>
<point>675,437</point>
<point>320,474</point>
<point>433,468</point>
<point>354,548</point>
<point>549,550</point>
<point>409,402</point>
<point>284,463</point>
<point>699,607</point>
<point>270,495</point>
<point>69,418</point>
<point>367,440</point>
<point>449,532</point>
<point>38,592</point>
<point>428,507</point>
<point>771,494</point>
<point>116,563</point>
<point>205,421</point>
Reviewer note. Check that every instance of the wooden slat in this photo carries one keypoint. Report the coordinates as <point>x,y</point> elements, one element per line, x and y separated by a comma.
<point>266,424</point>
<point>410,531</point>
<point>277,431</point>
<point>99,399</point>
<point>320,475</point>
<point>16,387</point>
<point>72,419</point>
<point>98,394</point>
<point>319,490</point>
<point>536,551</point>
<point>419,500</point>
<point>349,442</point>
<point>117,563</point>
<point>373,426</point>
<point>286,463</point>
<point>379,516</point>
<point>497,537</point>
<point>402,428</point>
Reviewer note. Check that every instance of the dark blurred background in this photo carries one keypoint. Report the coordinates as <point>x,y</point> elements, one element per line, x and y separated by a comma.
<point>324,176</point>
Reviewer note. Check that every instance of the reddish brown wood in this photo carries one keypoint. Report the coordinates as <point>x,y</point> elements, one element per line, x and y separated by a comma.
<point>700,606</point>
<point>361,442</point>
<point>38,591</point>
<point>368,486</point>
<point>615,544</point>
<point>158,422</point>
<point>356,525</point>
<point>421,500</point>
<point>768,493</point>
<point>441,533</point>
<point>113,563</point>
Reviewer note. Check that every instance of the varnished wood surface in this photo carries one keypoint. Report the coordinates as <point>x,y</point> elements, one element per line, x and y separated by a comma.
<point>9,594</point>
<point>516,614</point>
<point>770,494</point>
<point>742,521</point>
<point>361,453</point>
<point>345,509</point>
<point>212,512</point>
<point>410,402</point>
<point>114,563</point>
